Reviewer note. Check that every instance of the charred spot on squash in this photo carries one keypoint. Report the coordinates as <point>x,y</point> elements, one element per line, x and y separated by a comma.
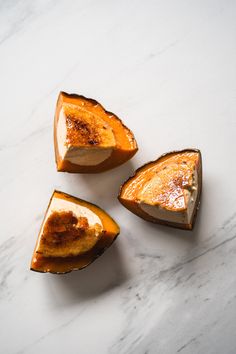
<point>64,227</point>
<point>78,130</point>
<point>64,234</point>
<point>90,125</point>
<point>85,128</point>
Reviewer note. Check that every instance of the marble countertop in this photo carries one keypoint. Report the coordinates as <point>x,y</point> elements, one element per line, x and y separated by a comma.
<point>167,68</point>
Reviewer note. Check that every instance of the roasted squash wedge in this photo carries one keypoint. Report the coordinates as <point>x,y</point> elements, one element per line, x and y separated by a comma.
<point>166,191</point>
<point>87,138</point>
<point>73,234</point>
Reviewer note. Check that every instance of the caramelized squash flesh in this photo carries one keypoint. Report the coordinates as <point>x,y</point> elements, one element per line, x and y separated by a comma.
<point>73,234</point>
<point>166,191</point>
<point>87,138</point>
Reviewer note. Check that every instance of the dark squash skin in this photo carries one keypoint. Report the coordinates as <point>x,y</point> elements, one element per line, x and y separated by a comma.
<point>134,207</point>
<point>126,145</point>
<point>61,265</point>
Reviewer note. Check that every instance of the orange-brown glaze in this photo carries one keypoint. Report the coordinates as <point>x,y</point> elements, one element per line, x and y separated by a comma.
<point>84,128</point>
<point>163,182</point>
<point>66,235</point>
<point>51,264</point>
<point>170,176</point>
<point>90,134</point>
<point>63,226</point>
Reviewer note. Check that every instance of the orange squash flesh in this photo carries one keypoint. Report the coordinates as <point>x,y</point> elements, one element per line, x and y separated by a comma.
<point>60,265</point>
<point>171,189</point>
<point>126,145</point>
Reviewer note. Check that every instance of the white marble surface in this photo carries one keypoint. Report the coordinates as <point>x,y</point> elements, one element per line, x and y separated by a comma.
<point>167,68</point>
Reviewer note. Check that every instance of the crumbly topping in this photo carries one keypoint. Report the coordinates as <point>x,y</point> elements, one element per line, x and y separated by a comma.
<point>64,235</point>
<point>62,227</point>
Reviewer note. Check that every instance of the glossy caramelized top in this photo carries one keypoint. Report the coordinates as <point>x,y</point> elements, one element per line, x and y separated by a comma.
<point>164,182</point>
<point>85,128</point>
<point>65,234</point>
<point>61,264</point>
<point>104,123</point>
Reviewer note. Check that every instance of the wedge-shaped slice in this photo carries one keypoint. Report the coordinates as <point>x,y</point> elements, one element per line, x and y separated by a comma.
<point>73,234</point>
<point>166,191</point>
<point>88,139</point>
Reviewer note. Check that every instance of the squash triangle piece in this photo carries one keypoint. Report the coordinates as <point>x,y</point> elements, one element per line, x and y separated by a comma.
<point>166,191</point>
<point>88,139</point>
<point>73,234</point>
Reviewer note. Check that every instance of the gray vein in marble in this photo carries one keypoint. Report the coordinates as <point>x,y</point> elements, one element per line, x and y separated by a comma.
<point>11,249</point>
<point>3,282</point>
<point>201,254</point>
<point>53,89</point>
<point>51,332</point>
<point>174,43</point>
<point>41,131</point>
<point>163,50</point>
<point>186,344</point>
<point>24,12</point>
<point>6,244</point>
<point>155,278</point>
<point>147,255</point>
<point>7,251</point>
<point>210,249</point>
<point>16,26</point>
<point>34,134</point>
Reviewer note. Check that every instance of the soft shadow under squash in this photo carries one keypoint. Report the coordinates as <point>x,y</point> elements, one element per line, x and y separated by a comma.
<point>103,275</point>
<point>105,186</point>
